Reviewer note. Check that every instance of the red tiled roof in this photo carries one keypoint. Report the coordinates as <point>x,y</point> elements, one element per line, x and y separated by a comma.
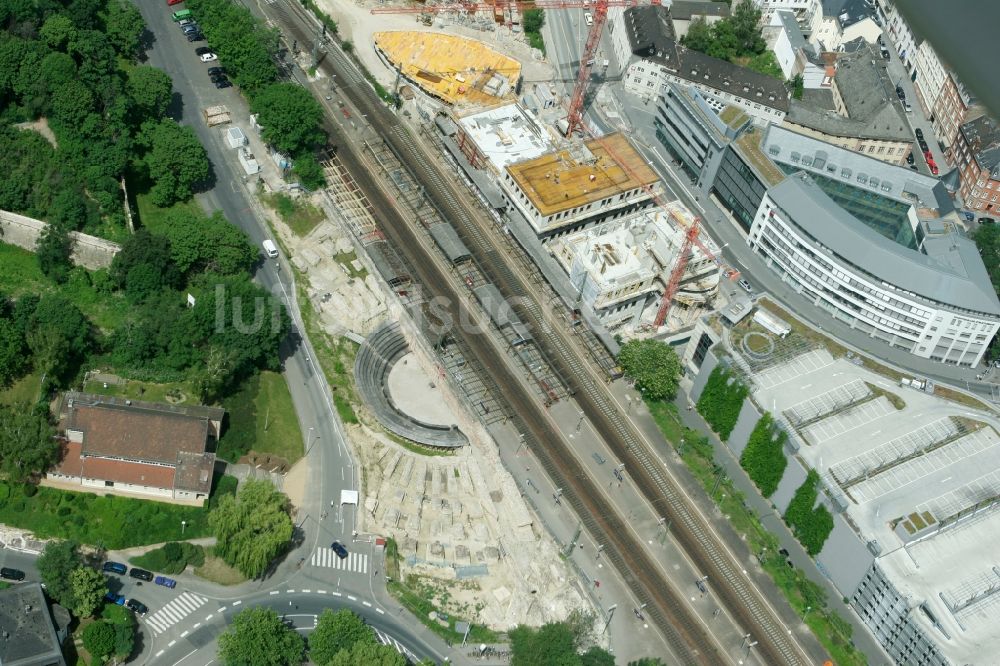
<point>119,471</point>
<point>136,433</point>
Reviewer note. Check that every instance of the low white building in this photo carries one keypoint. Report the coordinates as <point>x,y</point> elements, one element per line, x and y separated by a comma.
<point>621,268</point>
<point>501,136</point>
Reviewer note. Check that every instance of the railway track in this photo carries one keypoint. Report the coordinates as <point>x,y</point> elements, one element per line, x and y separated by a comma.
<point>666,607</point>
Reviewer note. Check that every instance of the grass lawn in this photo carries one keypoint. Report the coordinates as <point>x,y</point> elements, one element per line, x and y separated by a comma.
<point>261,419</point>
<point>24,390</point>
<point>298,214</point>
<point>217,571</point>
<point>116,522</point>
<point>334,355</point>
<point>152,216</point>
<point>832,631</point>
<point>19,274</point>
<point>179,393</point>
<point>345,259</point>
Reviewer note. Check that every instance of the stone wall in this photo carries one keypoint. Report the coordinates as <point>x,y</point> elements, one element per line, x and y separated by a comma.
<point>88,251</point>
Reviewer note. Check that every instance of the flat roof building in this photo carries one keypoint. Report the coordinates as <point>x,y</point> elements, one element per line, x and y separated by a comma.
<point>504,135</point>
<point>622,267</point>
<point>29,634</point>
<point>580,185</point>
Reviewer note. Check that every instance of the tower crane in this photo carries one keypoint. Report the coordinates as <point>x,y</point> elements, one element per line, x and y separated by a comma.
<point>599,13</point>
<point>599,9</point>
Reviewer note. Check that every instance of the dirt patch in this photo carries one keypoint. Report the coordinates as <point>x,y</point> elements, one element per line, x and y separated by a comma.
<point>265,461</point>
<point>42,127</point>
<point>217,571</point>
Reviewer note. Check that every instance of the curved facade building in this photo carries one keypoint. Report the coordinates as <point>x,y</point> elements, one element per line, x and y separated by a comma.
<point>928,293</point>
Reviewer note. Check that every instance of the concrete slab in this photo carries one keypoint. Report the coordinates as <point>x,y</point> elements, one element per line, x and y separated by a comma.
<point>417,394</point>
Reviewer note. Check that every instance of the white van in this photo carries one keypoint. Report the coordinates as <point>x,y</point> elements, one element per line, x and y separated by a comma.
<point>270,249</point>
<point>588,18</point>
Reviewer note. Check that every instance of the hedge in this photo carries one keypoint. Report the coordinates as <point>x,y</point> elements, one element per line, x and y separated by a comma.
<point>811,524</point>
<point>721,401</point>
<point>764,456</point>
<point>171,558</point>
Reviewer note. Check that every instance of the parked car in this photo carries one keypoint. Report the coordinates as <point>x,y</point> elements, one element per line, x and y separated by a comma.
<point>934,168</point>
<point>208,57</point>
<point>166,582</point>
<point>188,29</point>
<point>928,156</point>
<point>223,83</point>
<point>118,599</point>
<point>919,132</point>
<point>195,37</point>
<point>186,22</point>
<point>202,50</point>
<point>909,158</point>
<point>141,574</point>
<point>11,574</point>
<point>136,606</point>
<point>923,145</point>
<point>339,549</point>
<point>215,71</point>
<point>746,286</point>
<point>115,567</point>
<point>174,2</point>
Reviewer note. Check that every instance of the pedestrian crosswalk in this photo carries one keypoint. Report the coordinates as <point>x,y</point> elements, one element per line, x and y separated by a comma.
<point>175,611</point>
<point>386,639</point>
<point>325,557</point>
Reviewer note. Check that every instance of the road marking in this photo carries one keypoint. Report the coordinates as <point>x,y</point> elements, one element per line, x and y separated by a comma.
<point>380,611</point>
<point>336,594</point>
<point>274,592</point>
<point>237,603</point>
<point>171,643</point>
<point>352,598</point>
<point>210,616</point>
<point>366,604</point>
<point>306,591</point>
<point>196,625</point>
<point>289,591</point>
<point>183,634</point>
<point>159,653</point>
<point>320,591</point>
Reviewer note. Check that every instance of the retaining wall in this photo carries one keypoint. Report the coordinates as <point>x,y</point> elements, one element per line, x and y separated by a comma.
<point>88,251</point>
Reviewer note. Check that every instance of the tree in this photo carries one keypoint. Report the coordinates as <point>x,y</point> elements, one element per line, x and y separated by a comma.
<point>721,401</point>
<point>53,251</point>
<point>57,31</point>
<point>369,654</point>
<point>764,456</point>
<point>745,23</point>
<point>68,209</point>
<point>198,243</point>
<point>99,639</point>
<point>27,441</point>
<point>532,20</point>
<point>258,637</point>
<point>55,565</point>
<point>144,266</point>
<point>699,36</point>
<point>58,335</point>
<point>309,172</point>
<point>123,622</point>
<point>89,587</point>
<point>252,528</point>
<point>150,89</point>
<point>291,117</point>
<point>124,27</point>
<point>12,360</point>
<point>596,656</point>
<point>647,661</point>
<point>336,631</point>
<point>176,161</point>
<point>798,86</point>
<point>987,239</point>
<point>653,365</point>
<point>811,524</point>
<point>553,643</point>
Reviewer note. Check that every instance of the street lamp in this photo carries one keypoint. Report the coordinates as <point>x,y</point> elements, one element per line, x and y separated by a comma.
<point>611,614</point>
<point>183,525</point>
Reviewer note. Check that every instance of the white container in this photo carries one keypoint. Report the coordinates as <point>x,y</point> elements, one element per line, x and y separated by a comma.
<point>235,137</point>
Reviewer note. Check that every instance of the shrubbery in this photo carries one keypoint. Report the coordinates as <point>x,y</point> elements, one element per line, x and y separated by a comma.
<point>171,558</point>
<point>721,401</point>
<point>811,525</point>
<point>764,457</point>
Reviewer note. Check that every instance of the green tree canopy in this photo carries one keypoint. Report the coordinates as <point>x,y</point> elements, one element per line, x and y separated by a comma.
<point>764,456</point>
<point>58,560</point>
<point>99,639</point>
<point>89,587</point>
<point>58,335</point>
<point>53,251</point>
<point>27,441</point>
<point>124,27</point>
<point>57,31</point>
<point>597,656</point>
<point>12,359</point>
<point>150,90</point>
<point>144,266</point>
<point>532,20</point>
<point>309,172</point>
<point>811,524</point>
<point>336,631</point>
<point>252,528</point>
<point>123,622</point>
<point>369,654</point>
<point>647,661</point>
<point>291,117</point>
<point>258,637</point>
<point>653,365</point>
<point>553,643</point>
<point>766,64</point>
<point>199,243</point>
<point>176,161</point>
